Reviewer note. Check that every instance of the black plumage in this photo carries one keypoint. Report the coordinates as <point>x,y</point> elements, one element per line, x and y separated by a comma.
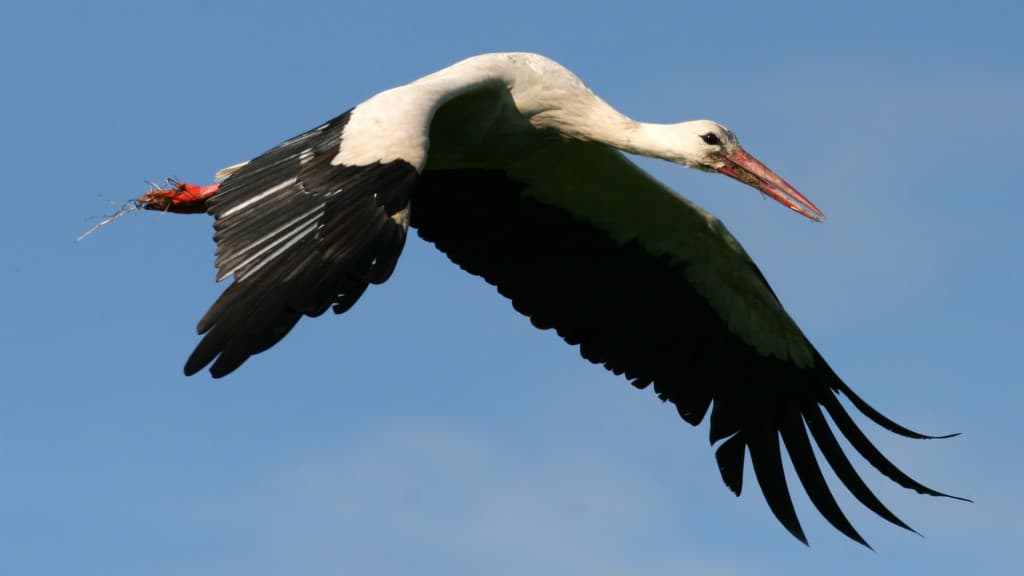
<point>342,229</point>
<point>638,315</point>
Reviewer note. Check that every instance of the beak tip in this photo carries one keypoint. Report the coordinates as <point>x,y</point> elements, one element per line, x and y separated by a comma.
<point>746,168</point>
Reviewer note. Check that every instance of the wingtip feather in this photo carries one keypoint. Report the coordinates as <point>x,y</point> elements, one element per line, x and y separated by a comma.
<point>845,471</point>
<point>730,458</point>
<point>871,453</point>
<point>767,461</point>
<point>794,435</point>
<point>878,418</point>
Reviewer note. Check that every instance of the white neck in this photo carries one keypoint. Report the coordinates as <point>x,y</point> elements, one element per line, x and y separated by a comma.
<point>551,96</point>
<point>545,93</point>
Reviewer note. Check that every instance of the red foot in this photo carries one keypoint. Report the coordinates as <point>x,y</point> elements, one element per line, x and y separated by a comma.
<point>183,198</point>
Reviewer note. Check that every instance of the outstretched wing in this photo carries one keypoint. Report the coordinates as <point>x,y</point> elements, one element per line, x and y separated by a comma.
<point>584,242</point>
<point>298,234</point>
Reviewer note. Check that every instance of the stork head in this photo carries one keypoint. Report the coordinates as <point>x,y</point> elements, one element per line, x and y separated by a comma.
<point>711,147</point>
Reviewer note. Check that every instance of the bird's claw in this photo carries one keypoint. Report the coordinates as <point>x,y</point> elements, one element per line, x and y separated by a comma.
<point>181,197</point>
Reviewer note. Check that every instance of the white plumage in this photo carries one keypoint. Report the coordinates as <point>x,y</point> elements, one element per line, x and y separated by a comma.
<point>514,168</point>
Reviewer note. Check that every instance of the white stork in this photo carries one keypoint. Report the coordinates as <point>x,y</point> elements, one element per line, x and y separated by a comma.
<point>510,165</point>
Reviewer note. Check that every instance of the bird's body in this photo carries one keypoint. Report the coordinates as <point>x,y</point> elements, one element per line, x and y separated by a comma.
<point>512,166</point>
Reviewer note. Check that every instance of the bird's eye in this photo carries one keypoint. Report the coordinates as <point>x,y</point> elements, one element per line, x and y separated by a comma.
<point>710,139</point>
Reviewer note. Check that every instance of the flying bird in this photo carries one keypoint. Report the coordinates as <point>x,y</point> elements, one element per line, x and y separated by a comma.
<point>514,168</point>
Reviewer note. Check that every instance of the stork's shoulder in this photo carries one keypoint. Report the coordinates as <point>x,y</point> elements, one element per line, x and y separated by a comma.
<point>394,124</point>
<point>504,64</point>
<point>388,126</point>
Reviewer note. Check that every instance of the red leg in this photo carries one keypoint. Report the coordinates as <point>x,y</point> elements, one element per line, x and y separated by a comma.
<point>183,198</point>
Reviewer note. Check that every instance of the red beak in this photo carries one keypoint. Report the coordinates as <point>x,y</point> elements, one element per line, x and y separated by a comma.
<point>749,170</point>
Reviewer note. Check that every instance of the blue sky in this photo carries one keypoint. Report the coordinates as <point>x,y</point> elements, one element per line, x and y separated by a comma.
<point>432,430</point>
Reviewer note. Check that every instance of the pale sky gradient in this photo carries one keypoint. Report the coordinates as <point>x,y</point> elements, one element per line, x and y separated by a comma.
<point>432,430</point>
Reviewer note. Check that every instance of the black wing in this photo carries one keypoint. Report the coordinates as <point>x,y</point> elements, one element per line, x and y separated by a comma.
<point>298,235</point>
<point>639,315</point>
